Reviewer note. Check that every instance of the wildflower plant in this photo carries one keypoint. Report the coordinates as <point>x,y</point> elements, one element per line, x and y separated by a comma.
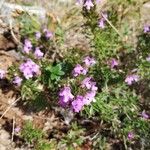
<point>82,89</point>
<point>102,84</point>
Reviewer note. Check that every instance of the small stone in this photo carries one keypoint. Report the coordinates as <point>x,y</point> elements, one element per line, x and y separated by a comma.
<point>145,11</point>
<point>25,117</point>
<point>8,10</point>
<point>4,138</point>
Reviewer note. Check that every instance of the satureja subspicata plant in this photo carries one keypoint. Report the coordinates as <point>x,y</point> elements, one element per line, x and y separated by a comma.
<point>107,93</point>
<point>86,86</point>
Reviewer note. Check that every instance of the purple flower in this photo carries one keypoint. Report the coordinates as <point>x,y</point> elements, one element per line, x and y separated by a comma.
<point>48,34</point>
<point>29,69</point>
<point>38,54</point>
<point>27,46</point>
<point>2,74</point>
<point>88,4</point>
<point>101,22</point>
<point>93,86</point>
<point>79,2</point>
<point>28,43</point>
<point>86,83</point>
<point>130,135</point>
<point>77,104</point>
<point>17,80</point>
<point>89,61</point>
<point>148,59</point>
<point>89,97</point>
<point>65,95</point>
<point>131,78</point>
<point>113,63</point>
<point>146,28</point>
<point>144,115</point>
<point>38,35</point>
<point>79,70</point>
<point>89,84</point>
<point>17,129</point>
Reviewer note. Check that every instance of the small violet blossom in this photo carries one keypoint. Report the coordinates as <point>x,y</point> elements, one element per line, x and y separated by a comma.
<point>17,80</point>
<point>144,115</point>
<point>48,34</point>
<point>78,2</point>
<point>130,135</point>
<point>89,84</point>
<point>79,70</point>
<point>38,35</point>
<point>77,104</point>
<point>148,59</point>
<point>113,63</point>
<point>131,78</point>
<point>65,95</point>
<point>88,4</point>
<point>101,22</point>
<point>89,61</point>
<point>86,83</point>
<point>89,97</point>
<point>27,46</point>
<point>17,129</point>
<point>146,29</point>
<point>38,54</point>
<point>2,73</point>
<point>29,69</point>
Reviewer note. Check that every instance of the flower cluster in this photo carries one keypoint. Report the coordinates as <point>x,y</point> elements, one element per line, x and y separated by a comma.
<point>88,4</point>
<point>130,79</point>
<point>88,62</point>
<point>38,54</point>
<point>87,84</point>
<point>79,70</point>
<point>113,63</point>
<point>48,34</point>
<point>17,80</point>
<point>27,46</point>
<point>29,69</point>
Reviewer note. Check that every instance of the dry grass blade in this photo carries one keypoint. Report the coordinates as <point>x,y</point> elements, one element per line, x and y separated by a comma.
<point>112,25</point>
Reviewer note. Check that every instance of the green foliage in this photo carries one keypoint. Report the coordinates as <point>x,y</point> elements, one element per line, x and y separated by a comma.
<point>73,138</point>
<point>100,143</point>
<point>113,102</point>
<point>144,69</point>
<point>52,74</point>
<point>30,89</point>
<point>44,145</point>
<point>29,25</point>
<point>30,133</point>
<point>106,44</point>
<point>56,72</point>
